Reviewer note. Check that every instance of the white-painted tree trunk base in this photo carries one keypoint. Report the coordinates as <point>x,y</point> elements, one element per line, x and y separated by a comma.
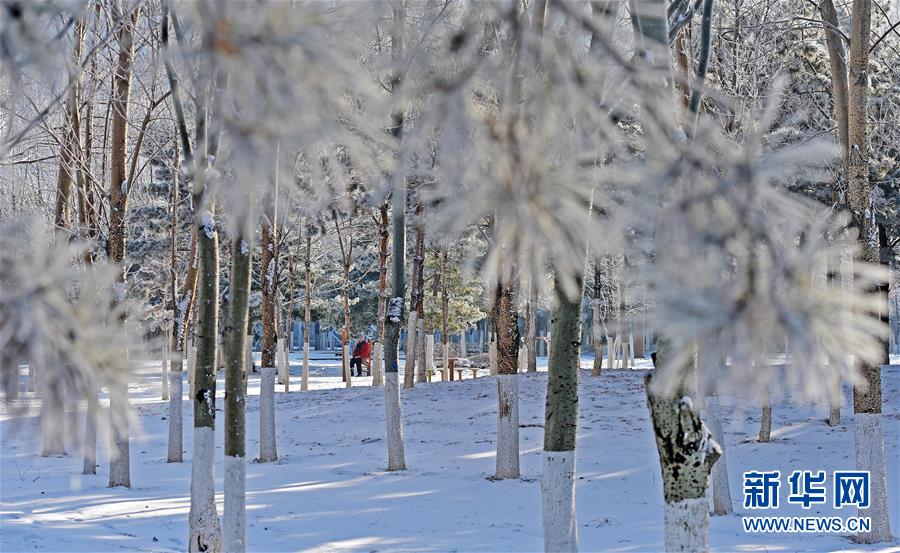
<point>410,366</point>
<point>52,420</point>
<point>234,516</point>
<point>165,376</point>
<point>429,356</point>
<point>267,448</point>
<point>120,456</point>
<point>203,519</point>
<point>421,352</point>
<point>558,502</point>
<point>176,424</point>
<point>304,380</point>
<point>721,493</point>
<point>191,362</point>
<point>687,525</point>
<point>868,440</point>
<point>91,420</point>
<point>507,427</point>
<point>377,369</point>
<point>396,455</point>
<point>492,357</point>
<point>347,370</point>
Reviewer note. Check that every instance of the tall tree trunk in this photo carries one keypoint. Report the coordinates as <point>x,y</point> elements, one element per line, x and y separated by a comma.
<point>345,334</point>
<point>416,308</point>
<point>686,449</point>
<point>394,314</point>
<point>268,276</point>
<point>307,314</point>
<point>531,326</point>
<point>234,520</point>
<point>384,234</point>
<point>119,464</point>
<point>445,328</point>
<point>203,519</point>
<point>867,400</point>
<point>507,383</point>
<point>596,322</point>
<point>561,423</point>
<point>183,302</point>
<point>70,144</point>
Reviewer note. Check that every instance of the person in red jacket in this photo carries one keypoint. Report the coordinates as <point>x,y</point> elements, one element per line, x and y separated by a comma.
<point>361,354</point>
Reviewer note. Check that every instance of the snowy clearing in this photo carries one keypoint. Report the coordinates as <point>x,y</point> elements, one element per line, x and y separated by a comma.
<point>329,491</point>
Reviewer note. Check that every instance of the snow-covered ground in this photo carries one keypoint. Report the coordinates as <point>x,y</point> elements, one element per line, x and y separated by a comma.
<point>329,490</point>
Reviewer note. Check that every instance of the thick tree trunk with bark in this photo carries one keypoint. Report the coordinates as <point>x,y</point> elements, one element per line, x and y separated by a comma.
<point>560,424</point>
<point>268,276</point>
<point>867,400</point>
<point>687,453</point>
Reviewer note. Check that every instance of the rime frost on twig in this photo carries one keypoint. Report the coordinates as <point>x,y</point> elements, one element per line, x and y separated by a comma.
<point>244,248</point>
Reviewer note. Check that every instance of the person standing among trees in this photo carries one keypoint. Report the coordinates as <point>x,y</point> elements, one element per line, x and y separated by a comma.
<point>361,354</point>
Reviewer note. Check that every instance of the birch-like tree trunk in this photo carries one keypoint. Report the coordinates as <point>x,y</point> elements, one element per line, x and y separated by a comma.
<point>203,518</point>
<point>234,520</point>
<point>119,464</point>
